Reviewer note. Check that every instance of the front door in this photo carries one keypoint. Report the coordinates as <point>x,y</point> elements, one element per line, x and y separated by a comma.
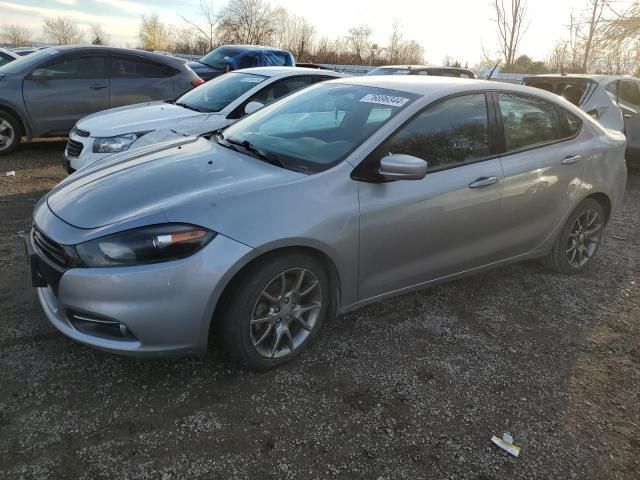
<point>66,90</point>
<point>629,101</point>
<point>134,79</point>
<point>420,230</point>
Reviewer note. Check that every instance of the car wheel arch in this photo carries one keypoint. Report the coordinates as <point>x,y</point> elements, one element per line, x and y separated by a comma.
<point>323,257</point>
<point>23,124</point>
<point>604,201</point>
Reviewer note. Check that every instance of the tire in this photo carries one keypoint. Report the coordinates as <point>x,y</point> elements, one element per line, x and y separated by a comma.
<point>10,132</point>
<point>255,313</point>
<point>587,217</point>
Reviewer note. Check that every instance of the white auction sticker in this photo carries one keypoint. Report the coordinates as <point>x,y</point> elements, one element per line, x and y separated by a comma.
<point>384,100</point>
<point>251,80</point>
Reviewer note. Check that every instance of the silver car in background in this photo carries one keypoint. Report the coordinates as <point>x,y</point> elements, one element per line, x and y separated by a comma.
<point>211,106</point>
<point>342,194</point>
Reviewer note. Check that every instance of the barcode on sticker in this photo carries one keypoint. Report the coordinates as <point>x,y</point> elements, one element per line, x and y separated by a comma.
<point>384,100</point>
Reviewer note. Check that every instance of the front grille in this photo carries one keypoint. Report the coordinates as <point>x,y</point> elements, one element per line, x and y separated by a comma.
<point>74,148</point>
<point>49,248</point>
<point>82,133</point>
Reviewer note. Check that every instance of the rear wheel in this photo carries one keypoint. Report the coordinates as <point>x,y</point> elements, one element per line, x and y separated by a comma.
<point>10,132</point>
<point>579,239</point>
<point>274,310</point>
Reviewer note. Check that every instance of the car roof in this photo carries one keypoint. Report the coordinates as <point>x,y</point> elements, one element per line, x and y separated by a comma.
<point>131,51</point>
<point>580,76</point>
<point>437,87</point>
<point>274,71</point>
<point>251,47</point>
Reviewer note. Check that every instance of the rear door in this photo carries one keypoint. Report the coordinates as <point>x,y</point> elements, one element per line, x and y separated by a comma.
<point>629,101</point>
<point>134,79</point>
<point>543,165</point>
<point>74,86</point>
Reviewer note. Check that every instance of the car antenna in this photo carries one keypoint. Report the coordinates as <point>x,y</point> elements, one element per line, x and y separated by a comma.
<point>493,70</point>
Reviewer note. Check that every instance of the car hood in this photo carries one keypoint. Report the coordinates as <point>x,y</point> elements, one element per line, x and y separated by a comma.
<point>204,71</point>
<point>192,171</point>
<point>137,118</point>
<point>184,128</point>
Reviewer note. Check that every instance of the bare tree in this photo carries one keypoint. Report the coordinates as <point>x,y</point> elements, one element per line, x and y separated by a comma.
<point>593,25</point>
<point>359,41</point>
<point>98,35</point>
<point>395,42</point>
<point>205,30</point>
<point>293,33</point>
<point>153,34</point>
<point>62,31</point>
<point>247,21</point>
<point>16,35</point>
<point>511,20</point>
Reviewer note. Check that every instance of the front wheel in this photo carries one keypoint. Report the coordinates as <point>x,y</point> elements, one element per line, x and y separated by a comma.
<point>274,310</point>
<point>579,239</point>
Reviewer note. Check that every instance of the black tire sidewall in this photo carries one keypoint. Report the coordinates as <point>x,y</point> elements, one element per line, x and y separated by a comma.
<point>561,242</point>
<point>17,128</point>
<point>249,285</point>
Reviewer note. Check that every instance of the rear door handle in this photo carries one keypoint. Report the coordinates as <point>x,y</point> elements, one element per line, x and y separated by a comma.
<point>98,86</point>
<point>571,159</point>
<point>627,115</point>
<point>483,182</point>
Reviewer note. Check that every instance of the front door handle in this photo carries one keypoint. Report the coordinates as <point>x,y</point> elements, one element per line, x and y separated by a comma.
<point>483,182</point>
<point>627,115</point>
<point>571,159</point>
<point>97,86</point>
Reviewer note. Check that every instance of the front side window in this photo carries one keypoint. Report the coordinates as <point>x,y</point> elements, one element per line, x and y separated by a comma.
<point>528,121</point>
<point>217,94</point>
<point>453,131</point>
<point>75,68</point>
<point>281,88</point>
<point>130,67</point>
<point>319,126</point>
<point>629,93</point>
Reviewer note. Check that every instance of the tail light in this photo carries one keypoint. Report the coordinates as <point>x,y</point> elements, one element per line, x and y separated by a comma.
<point>197,81</point>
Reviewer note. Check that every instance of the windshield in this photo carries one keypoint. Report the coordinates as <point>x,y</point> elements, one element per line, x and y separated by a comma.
<point>22,63</point>
<point>216,94</point>
<point>219,58</point>
<point>390,71</point>
<point>319,126</point>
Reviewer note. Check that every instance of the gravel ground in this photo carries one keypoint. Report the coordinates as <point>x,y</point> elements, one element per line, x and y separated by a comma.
<point>411,388</point>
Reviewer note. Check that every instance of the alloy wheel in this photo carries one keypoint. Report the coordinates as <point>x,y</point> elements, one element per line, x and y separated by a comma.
<point>584,238</point>
<point>286,313</point>
<point>7,134</point>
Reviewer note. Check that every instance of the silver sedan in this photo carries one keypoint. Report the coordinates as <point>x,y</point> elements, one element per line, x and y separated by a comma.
<point>340,195</point>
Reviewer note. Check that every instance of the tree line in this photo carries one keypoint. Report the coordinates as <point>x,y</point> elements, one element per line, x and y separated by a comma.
<point>600,37</point>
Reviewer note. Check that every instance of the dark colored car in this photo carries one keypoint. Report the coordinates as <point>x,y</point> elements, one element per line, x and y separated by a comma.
<point>45,93</point>
<point>22,51</point>
<point>233,57</point>
<point>423,70</point>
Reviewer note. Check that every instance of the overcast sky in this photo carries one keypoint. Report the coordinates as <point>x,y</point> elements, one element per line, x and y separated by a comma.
<point>457,28</point>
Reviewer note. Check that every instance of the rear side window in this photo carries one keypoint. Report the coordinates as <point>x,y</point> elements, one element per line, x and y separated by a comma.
<point>528,121</point>
<point>132,67</point>
<point>450,132</point>
<point>570,122</point>
<point>76,68</point>
<point>4,58</point>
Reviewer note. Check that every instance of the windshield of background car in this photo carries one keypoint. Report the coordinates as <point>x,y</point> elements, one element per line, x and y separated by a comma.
<point>220,57</point>
<point>216,94</point>
<point>390,71</point>
<point>22,63</point>
<point>318,127</point>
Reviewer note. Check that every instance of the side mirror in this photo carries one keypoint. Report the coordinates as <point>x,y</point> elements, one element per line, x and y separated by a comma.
<point>252,107</point>
<point>402,167</point>
<point>41,74</point>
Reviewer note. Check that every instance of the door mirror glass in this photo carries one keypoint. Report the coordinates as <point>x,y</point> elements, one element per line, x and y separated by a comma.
<point>42,74</point>
<point>402,167</point>
<point>252,107</point>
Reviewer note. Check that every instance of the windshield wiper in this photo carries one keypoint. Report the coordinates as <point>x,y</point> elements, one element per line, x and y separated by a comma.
<point>268,157</point>
<point>190,107</point>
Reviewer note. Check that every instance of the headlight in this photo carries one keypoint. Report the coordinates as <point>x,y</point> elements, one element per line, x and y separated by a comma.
<point>158,243</point>
<point>115,144</point>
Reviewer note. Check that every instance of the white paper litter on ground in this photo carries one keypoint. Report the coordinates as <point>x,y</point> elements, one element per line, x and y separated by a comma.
<point>11,173</point>
<point>506,443</point>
